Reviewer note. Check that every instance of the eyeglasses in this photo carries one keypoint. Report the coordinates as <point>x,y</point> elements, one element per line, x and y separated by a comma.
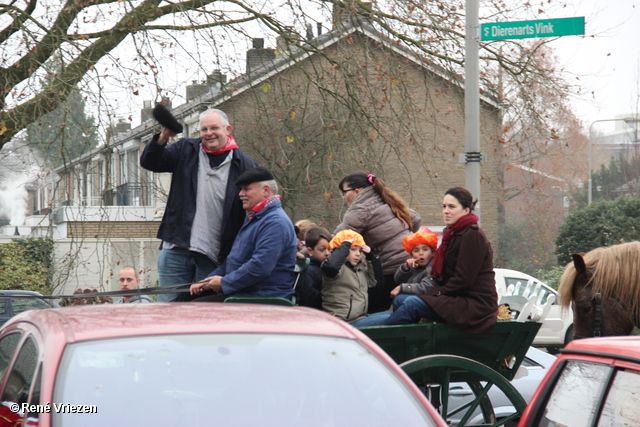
<point>346,191</point>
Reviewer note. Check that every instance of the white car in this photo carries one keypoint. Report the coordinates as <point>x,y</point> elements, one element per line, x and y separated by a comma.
<point>550,335</point>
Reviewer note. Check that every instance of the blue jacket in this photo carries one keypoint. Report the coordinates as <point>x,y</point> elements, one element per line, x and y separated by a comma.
<point>181,159</point>
<point>263,256</point>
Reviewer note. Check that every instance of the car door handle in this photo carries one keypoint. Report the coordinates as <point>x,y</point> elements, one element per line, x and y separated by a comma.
<point>460,391</point>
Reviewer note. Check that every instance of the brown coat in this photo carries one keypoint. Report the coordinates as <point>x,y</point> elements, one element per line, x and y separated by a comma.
<point>467,298</point>
<point>381,230</point>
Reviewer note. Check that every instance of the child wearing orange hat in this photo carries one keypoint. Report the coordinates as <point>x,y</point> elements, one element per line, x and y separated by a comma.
<point>346,278</point>
<point>414,276</point>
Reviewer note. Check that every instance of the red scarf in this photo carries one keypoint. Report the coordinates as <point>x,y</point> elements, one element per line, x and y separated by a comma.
<point>231,144</point>
<point>438,259</point>
<point>263,204</point>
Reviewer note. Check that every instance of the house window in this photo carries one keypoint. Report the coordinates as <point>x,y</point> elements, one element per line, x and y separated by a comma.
<point>69,190</point>
<point>132,166</point>
<point>83,185</point>
<point>122,168</point>
<point>94,183</point>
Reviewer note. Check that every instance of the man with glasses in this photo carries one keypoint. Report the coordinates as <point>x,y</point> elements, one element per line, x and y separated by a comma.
<point>203,213</point>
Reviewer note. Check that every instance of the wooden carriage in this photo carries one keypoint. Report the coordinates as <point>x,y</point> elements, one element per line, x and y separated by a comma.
<point>435,355</point>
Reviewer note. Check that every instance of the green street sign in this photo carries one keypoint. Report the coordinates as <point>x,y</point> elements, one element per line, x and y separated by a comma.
<point>530,29</point>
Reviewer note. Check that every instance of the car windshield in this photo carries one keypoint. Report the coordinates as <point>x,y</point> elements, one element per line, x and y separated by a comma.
<point>575,398</point>
<point>232,380</point>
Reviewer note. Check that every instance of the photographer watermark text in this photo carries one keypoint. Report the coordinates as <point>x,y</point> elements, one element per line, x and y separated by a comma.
<point>59,408</point>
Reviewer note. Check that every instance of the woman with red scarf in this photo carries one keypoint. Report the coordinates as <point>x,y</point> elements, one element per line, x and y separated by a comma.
<point>463,264</point>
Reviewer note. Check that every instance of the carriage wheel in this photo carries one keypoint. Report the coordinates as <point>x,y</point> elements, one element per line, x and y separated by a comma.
<point>434,375</point>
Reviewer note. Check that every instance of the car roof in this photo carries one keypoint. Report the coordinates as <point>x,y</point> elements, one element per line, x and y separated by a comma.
<point>615,347</point>
<point>81,323</point>
<point>59,327</point>
<point>514,273</point>
<point>16,292</point>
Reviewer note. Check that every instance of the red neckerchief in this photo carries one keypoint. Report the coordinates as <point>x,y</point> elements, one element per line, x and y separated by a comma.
<point>263,204</point>
<point>438,259</point>
<point>231,144</point>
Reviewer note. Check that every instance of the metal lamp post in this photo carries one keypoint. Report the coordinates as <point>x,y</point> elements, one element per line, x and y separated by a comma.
<point>473,157</point>
<point>590,185</point>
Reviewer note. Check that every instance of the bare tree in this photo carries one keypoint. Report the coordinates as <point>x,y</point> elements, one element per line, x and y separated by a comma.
<point>134,44</point>
<point>84,32</point>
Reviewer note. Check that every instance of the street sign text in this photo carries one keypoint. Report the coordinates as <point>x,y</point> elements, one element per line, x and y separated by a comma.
<point>530,29</point>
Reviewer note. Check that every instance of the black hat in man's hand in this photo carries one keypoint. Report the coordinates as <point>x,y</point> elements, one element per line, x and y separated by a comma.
<point>166,119</point>
<point>257,174</point>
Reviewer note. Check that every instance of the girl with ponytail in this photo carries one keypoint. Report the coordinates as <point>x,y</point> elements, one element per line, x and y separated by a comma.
<point>383,219</point>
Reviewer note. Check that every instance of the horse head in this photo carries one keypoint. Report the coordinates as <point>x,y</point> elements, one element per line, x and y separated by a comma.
<point>596,313</point>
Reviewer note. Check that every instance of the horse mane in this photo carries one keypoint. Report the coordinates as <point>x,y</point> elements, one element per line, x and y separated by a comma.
<point>616,271</point>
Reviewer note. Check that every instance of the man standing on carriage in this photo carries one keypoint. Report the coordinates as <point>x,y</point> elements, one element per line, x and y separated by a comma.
<point>203,212</point>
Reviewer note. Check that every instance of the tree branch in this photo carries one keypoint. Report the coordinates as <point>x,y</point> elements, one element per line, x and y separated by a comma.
<point>43,49</point>
<point>18,22</point>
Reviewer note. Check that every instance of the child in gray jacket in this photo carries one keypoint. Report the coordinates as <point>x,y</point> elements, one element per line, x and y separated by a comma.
<point>348,273</point>
<point>414,276</point>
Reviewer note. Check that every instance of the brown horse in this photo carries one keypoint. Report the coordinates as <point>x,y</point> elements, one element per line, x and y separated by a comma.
<point>603,289</point>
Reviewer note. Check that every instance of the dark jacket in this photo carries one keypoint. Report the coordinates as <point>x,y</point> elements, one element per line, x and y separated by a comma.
<point>415,281</point>
<point>181,159</point>
<point>262,260</point>
<point>309,287</point>
<point>467,298</point>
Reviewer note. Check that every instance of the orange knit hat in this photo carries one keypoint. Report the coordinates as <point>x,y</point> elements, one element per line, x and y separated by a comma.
<point>344,235</point>
<point>420,238</point>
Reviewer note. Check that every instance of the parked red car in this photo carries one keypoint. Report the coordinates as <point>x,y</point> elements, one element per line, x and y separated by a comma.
<point>594,382</point>
<point>199,365</point>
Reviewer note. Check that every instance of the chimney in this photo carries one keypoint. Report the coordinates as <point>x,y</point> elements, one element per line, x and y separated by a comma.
<point>285,42</point>
<point>257,43</point>
<point>319,27</point>
<point>353,10</point>
<point>309,32</point>
<point>259,57</point>
<point>196,89</point>
<point>147,111</point>
<point>122,126</point>
<point>216,78</point>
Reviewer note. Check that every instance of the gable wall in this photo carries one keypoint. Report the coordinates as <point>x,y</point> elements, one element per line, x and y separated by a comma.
<point>407,127</point>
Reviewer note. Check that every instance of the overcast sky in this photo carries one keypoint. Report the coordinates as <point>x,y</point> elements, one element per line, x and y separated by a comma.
<point>606,60</point>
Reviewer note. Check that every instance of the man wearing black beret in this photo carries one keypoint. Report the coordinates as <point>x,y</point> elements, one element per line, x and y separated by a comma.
<point>262,259</point>
<point>203,212</point>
